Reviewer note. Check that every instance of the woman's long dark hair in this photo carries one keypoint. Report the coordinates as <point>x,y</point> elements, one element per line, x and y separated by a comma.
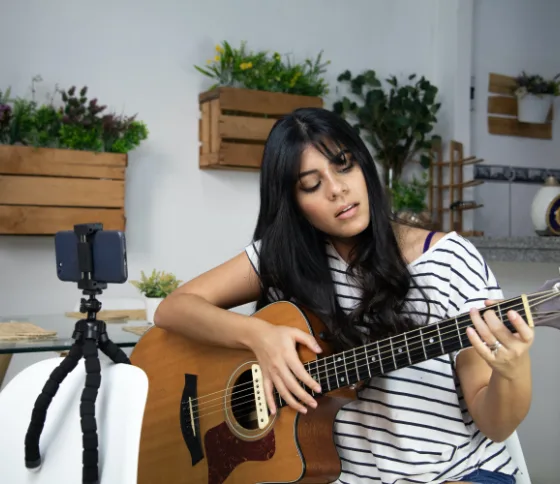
<point>292,255</point>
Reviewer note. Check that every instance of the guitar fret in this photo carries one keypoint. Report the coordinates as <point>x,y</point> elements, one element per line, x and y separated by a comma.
<point>358,377</point>
<point>440,341</point>
<point>380,359</point>
<point>367,361</point>
<point>336,372</point>
<point>313,376</point>
<point>499,312</point>
<point>458,331</point>
<point>422,340</point>
<point>393,352</point>
<point>407,349</point>
<point>327,374</point>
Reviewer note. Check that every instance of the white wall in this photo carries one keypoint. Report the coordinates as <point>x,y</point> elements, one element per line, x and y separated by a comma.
<point>511,36</point>
<point>139,56</point>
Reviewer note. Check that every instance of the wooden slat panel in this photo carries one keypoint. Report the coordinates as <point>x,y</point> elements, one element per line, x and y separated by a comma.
<point>243,155</point>
<point>14,154</point>
<point>508,106</point>
<point>30,220</point>
<point>500,84</point>
<point>245,128</point>
<point>70,192</point>
<point>502,105</point>
<point>36,166</point>
<point>512,127</point>
<point>260,102</point>
<point>215,125</point>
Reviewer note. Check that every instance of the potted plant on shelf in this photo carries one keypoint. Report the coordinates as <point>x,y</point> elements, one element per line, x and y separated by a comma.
<point>155,289</point>
<point>396,123</point>
<point>251,91</point>
<point>409,200</point>
<point>535,96</point>
<point>63,162</point>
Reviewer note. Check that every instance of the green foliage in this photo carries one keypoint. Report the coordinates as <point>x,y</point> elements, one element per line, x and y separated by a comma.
<point>536,84</point>
<point>410,196</point>
<point>158,284</point>
<point>78,124</point>
<point>262,71</point>
<point>396,123</point>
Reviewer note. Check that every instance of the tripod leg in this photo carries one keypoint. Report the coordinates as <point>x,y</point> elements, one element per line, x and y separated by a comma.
<point>112,350</point>
<point>32,454</point>
<point>90,473</point>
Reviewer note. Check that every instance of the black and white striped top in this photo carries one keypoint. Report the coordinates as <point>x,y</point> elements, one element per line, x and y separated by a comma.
<point>412,425</point>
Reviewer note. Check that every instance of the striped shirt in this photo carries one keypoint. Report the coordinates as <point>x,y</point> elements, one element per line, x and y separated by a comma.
<point>412,425</point>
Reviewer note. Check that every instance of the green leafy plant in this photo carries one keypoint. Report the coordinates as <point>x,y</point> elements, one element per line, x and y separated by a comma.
<point>239,67</point>
<point>410,196</point>
<point>158,284</point>
<point>536,84</point>
<point>78,124</point>
<point>396,123</point>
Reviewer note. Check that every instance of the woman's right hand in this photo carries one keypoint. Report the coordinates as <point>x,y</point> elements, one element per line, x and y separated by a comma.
<point>275,349</point>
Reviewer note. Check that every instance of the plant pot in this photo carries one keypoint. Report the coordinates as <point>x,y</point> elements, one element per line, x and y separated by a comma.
<point>534,109</point>
<point>151,305</point>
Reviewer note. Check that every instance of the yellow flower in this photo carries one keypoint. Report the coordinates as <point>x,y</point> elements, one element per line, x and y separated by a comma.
<point>217,58</point>
<point>209,61</point>
<point>245,65</point>
<point>219,49</point>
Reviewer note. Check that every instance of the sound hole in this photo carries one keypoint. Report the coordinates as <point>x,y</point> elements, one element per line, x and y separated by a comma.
<point>243,401</point>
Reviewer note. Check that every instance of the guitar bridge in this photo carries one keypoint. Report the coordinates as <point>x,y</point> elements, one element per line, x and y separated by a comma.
<point>260,398</point>
<point>189,419</point>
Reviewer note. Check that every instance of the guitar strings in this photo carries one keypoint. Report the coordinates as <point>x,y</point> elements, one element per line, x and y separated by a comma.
<point>252,398</point>
<point>246,401</point>
<point>333,364</point>
<point>242,393</point>
<point>427,334</point>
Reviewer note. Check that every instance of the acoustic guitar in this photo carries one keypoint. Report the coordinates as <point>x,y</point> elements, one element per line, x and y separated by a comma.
<point>206,419</point>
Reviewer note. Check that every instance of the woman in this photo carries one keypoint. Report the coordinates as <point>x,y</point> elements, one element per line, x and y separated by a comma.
<point>325,239</point>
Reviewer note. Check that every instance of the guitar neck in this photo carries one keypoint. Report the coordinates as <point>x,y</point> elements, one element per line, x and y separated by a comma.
<point>400,351</point>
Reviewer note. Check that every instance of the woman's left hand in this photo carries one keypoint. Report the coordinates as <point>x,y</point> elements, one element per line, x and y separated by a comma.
<point>504,351</point>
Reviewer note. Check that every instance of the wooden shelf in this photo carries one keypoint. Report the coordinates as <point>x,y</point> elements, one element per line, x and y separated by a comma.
<point>235,124</point>
<point>44,190</point>
<point>451,187</point>
<point>505,106</point>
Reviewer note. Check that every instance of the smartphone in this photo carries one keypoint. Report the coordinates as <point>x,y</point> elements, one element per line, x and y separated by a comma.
<point>109,256</point>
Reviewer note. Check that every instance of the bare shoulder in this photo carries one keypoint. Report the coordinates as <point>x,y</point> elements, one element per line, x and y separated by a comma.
<point>412,240</point>
<point>228,285</point>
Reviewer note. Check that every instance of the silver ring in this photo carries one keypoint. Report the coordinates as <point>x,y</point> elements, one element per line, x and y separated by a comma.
<point>495,347</point>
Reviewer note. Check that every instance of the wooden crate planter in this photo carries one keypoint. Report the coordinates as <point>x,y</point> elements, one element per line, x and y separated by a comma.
<point>235,124</point>
<point>44,190</point>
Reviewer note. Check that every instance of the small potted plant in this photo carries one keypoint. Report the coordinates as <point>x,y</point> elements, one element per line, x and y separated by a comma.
<point>535,96</point>
<point>409,200</point>
<point>155,288</point>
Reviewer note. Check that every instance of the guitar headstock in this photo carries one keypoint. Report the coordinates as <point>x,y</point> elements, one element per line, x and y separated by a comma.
<point>545,304</point>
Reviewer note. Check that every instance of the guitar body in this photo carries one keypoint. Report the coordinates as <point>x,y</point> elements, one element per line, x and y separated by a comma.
<point>200,423</point>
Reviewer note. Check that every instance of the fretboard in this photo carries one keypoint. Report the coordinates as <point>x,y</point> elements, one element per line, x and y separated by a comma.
<point>400,351</point>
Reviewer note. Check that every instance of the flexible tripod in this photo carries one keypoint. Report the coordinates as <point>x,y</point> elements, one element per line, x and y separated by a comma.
<point>89,333</point>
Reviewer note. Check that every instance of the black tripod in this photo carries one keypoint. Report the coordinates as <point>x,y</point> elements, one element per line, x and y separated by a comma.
<point>89,333</point>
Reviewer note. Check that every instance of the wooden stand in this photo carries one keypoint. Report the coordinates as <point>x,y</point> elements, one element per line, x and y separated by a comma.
<point>446,192</point>
<point>44,190</point>
<point>235,124</point>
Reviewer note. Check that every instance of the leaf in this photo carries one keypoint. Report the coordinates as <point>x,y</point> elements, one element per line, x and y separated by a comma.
<point>425,161</point>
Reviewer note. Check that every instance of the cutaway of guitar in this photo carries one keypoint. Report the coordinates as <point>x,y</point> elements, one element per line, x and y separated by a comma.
<point>205,421</point>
